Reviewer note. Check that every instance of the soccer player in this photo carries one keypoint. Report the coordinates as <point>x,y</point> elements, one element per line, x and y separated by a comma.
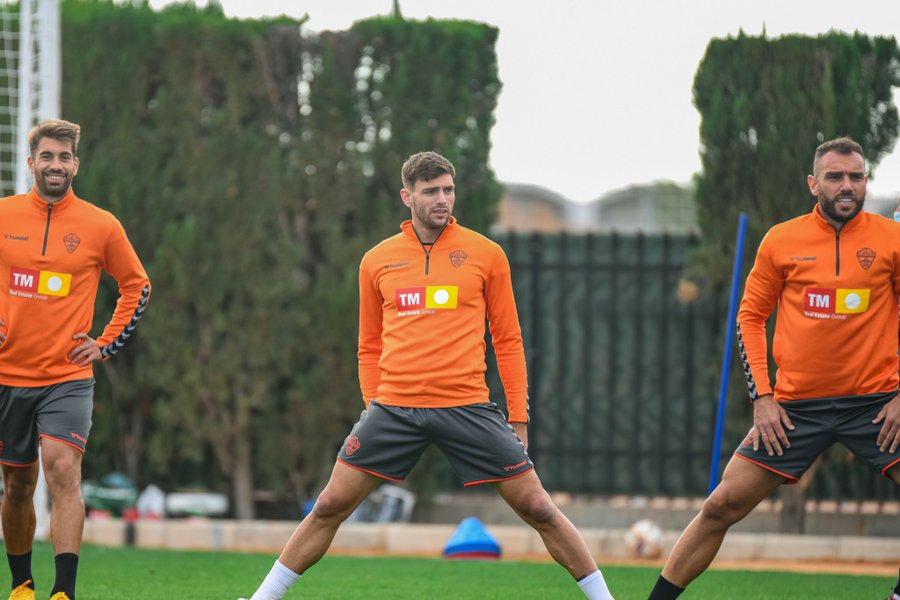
<point>834,275</point>
<point>424,295</point>
<point>53,246</point>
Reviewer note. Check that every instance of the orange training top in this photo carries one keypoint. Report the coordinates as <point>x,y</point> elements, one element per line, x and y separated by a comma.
<point>50,261</point>
<point>422,321</point>
<point>837,298</point>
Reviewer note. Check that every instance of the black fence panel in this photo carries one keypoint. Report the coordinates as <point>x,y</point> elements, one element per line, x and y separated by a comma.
<point>624,370</point>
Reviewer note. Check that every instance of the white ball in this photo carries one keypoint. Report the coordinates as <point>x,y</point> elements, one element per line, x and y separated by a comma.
<point>644,539</point>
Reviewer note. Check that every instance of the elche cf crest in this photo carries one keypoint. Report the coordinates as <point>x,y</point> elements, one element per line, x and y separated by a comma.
<point>865,256</point>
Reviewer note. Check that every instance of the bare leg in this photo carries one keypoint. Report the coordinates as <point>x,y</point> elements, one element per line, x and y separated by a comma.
<point>62,468</point>
<point>17,509</point>
<point>532,503</point>
<point>743,486</point>
<point>346,489</point>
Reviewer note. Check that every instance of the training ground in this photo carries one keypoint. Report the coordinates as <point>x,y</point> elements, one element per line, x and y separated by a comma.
<point>854,537</point>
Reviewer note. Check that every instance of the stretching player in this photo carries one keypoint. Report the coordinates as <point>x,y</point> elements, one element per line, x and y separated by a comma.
<point>424,295</point>
<point>834,275</point>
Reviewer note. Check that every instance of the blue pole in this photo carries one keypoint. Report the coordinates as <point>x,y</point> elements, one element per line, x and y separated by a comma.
<point>729,349</point>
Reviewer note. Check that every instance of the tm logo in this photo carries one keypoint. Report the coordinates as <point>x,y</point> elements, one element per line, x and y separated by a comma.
<point>430,296</point>
<point>49,283</point>
<point>836,300</point>
<point>410,297</point>
<point>24,279</point>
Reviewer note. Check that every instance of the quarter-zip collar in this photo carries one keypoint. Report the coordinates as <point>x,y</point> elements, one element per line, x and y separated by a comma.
<point>410,232</point>
<point>60,205</point>
<point>854,223</point>
<point>49,211</point>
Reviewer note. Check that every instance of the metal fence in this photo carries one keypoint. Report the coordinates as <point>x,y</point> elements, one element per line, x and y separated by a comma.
<point>624,371</point>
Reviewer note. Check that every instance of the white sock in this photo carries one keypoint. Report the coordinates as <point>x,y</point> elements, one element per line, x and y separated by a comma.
<point>594,587</point>
<point>276,583</point>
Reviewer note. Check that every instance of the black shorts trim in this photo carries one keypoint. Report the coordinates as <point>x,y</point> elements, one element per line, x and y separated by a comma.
<point>9,463</point>
<point>498,479</point>
<point>61,441</point>
<point>370,471</point>
<point>789,479</point>
<point>888,468</point>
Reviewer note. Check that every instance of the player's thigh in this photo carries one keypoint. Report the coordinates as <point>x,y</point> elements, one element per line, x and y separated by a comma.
<point>346,489</point>
<point>61,462</point>
<point>743,486</point>
<point>387,441</point>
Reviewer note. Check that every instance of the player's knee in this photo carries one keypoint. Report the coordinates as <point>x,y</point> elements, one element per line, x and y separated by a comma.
<point>63,473</point>
<point>331,507</point>
<point>721,509</point>
<point>537,509</point>
<point>19,490</point>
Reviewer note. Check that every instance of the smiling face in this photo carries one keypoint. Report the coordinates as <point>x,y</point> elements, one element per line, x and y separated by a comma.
<point>431,204</point>
<point>53,165</point>
<point>839,183</point>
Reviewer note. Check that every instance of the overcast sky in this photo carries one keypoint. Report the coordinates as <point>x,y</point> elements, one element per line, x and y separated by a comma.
<point>596,94</point>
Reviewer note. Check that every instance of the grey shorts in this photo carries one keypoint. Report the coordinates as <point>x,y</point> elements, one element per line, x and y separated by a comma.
<point>476,439</point>
<point>61,411</point>
<point>821,422</point>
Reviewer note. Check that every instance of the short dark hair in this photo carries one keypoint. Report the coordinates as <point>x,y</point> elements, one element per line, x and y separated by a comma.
<point>56,129</point>
<point>425,166</point>
<point>842,145</point>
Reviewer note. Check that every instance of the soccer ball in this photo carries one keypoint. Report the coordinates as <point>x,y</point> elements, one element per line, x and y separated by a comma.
<point>644,539</point>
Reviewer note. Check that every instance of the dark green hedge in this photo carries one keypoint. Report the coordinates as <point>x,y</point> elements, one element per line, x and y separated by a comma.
<point>252,166</point>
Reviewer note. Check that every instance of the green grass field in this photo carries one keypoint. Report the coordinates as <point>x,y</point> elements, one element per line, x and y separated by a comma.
<point>142,574</point>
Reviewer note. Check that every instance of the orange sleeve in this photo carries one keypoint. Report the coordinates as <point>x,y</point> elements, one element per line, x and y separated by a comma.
<point>121,261</point>
<point>761,293</point>
<point>506,334</point>
<point>370,324</point>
